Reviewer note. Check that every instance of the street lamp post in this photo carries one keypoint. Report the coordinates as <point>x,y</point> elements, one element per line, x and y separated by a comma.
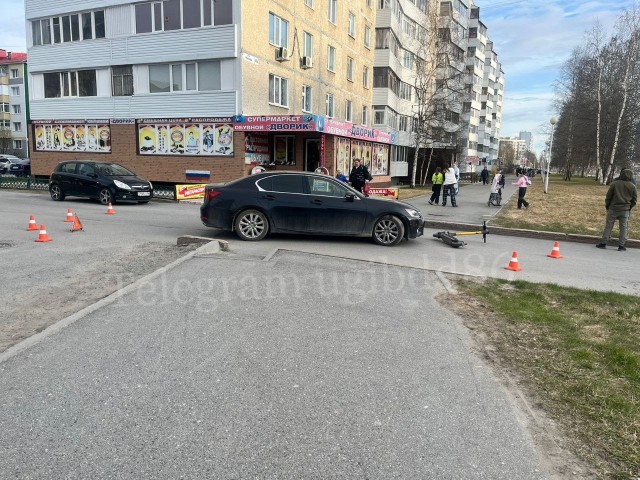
<point>552,121</point>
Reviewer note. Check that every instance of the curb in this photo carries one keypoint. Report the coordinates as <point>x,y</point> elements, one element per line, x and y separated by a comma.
<point>521,232</point>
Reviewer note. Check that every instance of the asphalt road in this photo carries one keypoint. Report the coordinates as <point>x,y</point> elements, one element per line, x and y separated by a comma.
<point>287,358</point>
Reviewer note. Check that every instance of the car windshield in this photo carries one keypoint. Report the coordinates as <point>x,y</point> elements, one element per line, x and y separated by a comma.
<point>113,170</point>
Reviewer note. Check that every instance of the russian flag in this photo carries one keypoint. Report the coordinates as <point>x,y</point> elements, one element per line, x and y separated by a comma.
<point>198,175</point>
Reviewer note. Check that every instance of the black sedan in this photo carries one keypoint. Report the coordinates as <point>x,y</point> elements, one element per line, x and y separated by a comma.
<point>107,182</point>
<point>306,203</point>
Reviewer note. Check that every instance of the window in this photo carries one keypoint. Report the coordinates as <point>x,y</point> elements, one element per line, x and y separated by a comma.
<point>14,73</point>
<point>348,111</point>
<point>308,45</point>
<point>408,60</point>
<point>331,58</point>
<point>81,83</point>
<point>404,123</point>
<point>15,91</point>
<point>16,109</point>
<point>327,188</point>
<point>181,14</point>
<point>330,101</point>
<point>288,183</point>
<point>350,69</point>
<point>378,115</point>
<point>367,36</point>
<point>351,28</point>
<point>333,11</point>
<point>17,144</point>
<point>307,105</point>
<point>17,126</point>
<point>4,108</point>
<point>308,3</point>
<point>278,91</point>
<point>365,77</point>
<point>69,28</point>
<point>365,115</point>
<point>278,31</point>
<point>201,76</point>
<point>122,80</point>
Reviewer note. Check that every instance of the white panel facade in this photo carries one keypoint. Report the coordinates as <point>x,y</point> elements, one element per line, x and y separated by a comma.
<point>161,47</point>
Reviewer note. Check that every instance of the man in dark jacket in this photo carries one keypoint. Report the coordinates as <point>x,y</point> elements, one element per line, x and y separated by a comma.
<point>621,197</point>
<point>359,175</point>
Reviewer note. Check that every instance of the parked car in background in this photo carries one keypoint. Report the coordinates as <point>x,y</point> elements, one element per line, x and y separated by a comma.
<point>306,203</point>
<point>107,182</point>
<point>6,161</point>
<point>21,168</point>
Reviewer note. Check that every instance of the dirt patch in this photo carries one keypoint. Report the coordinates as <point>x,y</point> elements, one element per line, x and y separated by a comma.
<point>22,317</point>
<point>554,449</point>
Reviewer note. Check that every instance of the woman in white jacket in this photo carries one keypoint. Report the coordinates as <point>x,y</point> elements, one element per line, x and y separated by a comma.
<point>449,185</point>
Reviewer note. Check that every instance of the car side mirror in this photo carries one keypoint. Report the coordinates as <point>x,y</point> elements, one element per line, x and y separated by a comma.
<point>350,197</point>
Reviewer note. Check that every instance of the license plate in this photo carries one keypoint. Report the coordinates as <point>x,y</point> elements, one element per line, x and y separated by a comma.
<point>144,194</point>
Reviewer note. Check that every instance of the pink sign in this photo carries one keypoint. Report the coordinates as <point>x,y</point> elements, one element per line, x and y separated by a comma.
<point>360,132</point>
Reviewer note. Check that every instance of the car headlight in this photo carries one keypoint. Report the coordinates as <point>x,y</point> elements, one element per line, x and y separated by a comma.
<point>413,213</point>
<point>121,185</point>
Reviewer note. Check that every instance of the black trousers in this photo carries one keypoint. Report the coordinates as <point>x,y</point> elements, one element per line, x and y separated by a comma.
<point>522,191</point>
<point>435,196</point>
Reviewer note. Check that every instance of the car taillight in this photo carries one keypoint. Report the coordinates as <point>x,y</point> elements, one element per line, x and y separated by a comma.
<point>212,194</point>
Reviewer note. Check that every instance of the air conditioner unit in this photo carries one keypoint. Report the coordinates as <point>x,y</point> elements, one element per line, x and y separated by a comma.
<point>307,62</point>
<point>282,54</point>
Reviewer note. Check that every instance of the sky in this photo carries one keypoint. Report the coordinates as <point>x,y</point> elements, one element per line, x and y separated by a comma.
<point>532,38</point>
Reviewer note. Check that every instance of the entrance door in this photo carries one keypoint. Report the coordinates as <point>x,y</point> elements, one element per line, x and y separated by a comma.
<point>312,155</point>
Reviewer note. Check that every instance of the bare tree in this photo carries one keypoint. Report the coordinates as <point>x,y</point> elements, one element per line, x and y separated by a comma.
<point>438,89</point>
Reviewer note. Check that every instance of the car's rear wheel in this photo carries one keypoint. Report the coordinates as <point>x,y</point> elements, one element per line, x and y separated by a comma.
<point>106,197</point>
<point>56,192</point>
<point>251,225</point>
<point>388,231</point>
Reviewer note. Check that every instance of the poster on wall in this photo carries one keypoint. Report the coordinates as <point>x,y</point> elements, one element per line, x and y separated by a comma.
<point>280,150</point>
<point>185,137</point>
<point>366,156</point>
<point>256,148</point>
<point>72,136</point>
<point>381,160</point>
<point>342,155</point>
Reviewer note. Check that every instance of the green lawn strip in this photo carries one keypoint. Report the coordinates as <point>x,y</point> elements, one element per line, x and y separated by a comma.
<point>578,352</point>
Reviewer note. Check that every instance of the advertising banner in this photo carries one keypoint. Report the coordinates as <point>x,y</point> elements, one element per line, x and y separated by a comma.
<point>358,132</point>
<point>384,192</point>
<point>72,136</point>
<point>187,192</point>
<point>185,137</point>
<point>256,148</point>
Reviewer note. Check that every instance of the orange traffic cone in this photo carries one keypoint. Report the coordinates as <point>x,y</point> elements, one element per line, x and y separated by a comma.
<point>555,251</point>
<point>43,237</point>
<point>110,210</point>
<point>77,225</point>
<point>513,264</point>
<point>69,215</point>
<point>32,224</point>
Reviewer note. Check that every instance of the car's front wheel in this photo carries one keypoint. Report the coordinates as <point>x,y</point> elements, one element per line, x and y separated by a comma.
<point>106,197</point>
<point>251,225</point>
<point>56,192</point>
<point>388,231</point>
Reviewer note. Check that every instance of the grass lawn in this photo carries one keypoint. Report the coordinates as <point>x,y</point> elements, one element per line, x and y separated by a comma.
<point>569,207</point>
<point>577,353</point>
<point>406,192</point>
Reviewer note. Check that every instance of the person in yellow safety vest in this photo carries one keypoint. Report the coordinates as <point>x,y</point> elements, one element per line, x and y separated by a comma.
<point>437,180</point>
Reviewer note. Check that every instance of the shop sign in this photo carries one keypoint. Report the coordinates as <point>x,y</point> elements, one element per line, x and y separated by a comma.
<point>199,136</point>
<point>384,192</point>
<point>358,132</point>
<point>73,136</point>
<point>278,123</point>
<point>187,192</point>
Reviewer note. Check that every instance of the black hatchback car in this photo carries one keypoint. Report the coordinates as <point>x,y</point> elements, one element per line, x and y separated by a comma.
<point>306,203</point>
<point>107,182</point>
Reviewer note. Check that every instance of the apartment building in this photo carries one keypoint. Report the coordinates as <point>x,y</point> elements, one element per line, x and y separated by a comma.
<point>484,79</point>
<point>518,145</point>
<point>13,104</point>
<point>180,90</point>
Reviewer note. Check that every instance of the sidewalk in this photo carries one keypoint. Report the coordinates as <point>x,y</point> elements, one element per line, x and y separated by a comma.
<point>472,210</point>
